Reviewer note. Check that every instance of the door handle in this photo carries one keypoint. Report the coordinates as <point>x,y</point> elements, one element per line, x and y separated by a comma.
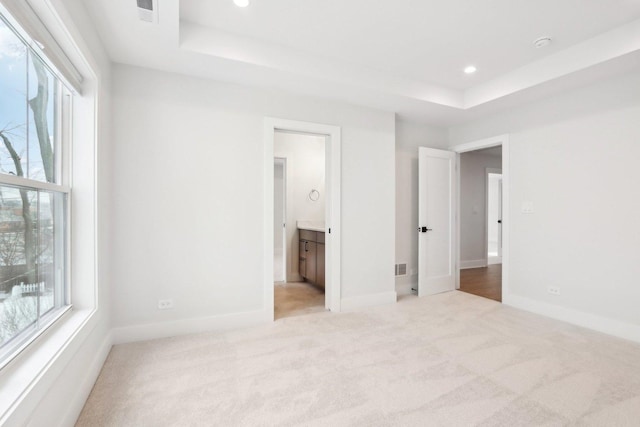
<point>499,221</point>
<point>424,229</point>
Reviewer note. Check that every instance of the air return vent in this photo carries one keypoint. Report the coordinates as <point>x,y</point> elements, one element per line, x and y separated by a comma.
<point>147,10</point>
<point>401,269</point>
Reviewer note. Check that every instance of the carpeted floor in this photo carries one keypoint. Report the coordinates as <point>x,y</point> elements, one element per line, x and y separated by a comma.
<point>453,359</point>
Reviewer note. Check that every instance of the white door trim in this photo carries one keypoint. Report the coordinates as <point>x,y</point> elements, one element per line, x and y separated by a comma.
<point>495,141</point>
<point>332,212</point>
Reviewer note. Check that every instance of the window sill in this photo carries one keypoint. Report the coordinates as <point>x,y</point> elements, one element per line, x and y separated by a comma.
<point>32,337</point>
<point>31,372</point>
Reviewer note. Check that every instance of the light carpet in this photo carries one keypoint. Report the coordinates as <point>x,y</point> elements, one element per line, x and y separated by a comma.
<point>448,360</point>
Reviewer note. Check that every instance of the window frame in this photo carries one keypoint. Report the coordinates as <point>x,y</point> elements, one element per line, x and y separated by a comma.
<point>43,373</point>
<point>62,148</point>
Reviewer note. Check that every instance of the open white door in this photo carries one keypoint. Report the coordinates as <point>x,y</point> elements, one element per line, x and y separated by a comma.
<point>494,216</point>
<point>436,228</point>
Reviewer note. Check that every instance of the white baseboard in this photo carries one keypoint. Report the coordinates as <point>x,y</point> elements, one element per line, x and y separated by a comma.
<point>494,260</point>
<point>354,303</point>
<point>474,263</point>
<point>628,331</point>
<point>189,326</point>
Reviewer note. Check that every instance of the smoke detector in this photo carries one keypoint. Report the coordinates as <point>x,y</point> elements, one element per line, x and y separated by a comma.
<point>147,10</point>
<point>542,42</point>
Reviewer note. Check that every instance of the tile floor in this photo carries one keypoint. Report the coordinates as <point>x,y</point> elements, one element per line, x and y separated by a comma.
<point>295,299</point>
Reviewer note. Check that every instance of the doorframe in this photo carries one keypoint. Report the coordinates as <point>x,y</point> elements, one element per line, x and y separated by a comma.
<point>332,207</point>
<point>500,140</point>
<point>283,161</point>
<point>488,171</point>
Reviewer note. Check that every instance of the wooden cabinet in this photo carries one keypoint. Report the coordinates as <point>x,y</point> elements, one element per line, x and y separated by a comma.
<point>311,263</point>
<point>320,264</point>
<point>310,253</point>
<point>302,268</point>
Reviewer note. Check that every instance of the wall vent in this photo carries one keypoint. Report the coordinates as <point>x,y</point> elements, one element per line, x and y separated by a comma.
<point>147,10</point>
<point>401,269</point>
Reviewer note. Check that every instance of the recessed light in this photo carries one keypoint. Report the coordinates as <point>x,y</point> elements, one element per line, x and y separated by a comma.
<point>241,3</point>
<point>542,42</point>
<point>470,69</point>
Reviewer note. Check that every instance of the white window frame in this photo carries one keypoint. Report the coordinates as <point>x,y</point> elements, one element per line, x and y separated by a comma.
<point>81,336</point>
<point>62,157</point>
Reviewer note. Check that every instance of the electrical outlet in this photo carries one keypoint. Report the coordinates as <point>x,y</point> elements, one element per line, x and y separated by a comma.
<point>165,304</point>
<point>527,207</point>
<point>553,291</point>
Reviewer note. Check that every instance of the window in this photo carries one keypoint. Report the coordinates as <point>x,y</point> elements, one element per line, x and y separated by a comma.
<point>34,112</point>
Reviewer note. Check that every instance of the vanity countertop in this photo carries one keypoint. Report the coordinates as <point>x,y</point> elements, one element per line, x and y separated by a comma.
<point>311,225</point>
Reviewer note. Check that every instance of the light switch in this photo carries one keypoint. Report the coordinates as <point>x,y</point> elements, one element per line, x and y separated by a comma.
<point>527,207</point>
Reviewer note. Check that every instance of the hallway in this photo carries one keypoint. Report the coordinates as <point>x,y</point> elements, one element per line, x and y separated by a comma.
<point>484,282</point>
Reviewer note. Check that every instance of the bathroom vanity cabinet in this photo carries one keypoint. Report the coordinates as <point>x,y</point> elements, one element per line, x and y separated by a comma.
<point>311,252</point>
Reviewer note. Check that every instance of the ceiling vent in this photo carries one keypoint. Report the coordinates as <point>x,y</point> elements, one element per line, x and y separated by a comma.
<point>147,10</point>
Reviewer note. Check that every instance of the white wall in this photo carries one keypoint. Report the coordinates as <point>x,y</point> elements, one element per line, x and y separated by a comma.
<point>473,215</point>
<point>189,199</point>
<point>410,136</point>
<point>61,366</point>
<point>305,156</point>
<point>575,157</point>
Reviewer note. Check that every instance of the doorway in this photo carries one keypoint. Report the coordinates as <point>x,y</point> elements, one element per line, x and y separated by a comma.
<point>328,231</point>
<point>303,222</point>
<point>440,196</point>
<point>482,194</point>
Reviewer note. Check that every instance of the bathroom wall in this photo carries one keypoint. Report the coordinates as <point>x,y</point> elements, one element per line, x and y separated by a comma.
<point>279,219</point>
